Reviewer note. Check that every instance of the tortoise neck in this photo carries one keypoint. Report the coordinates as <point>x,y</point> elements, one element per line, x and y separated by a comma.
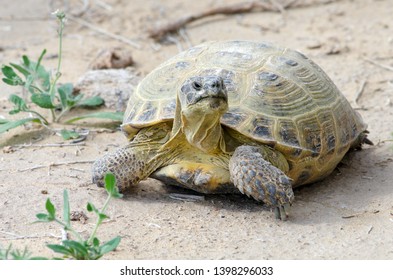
<point>201,127</point>
<point>203,133</point>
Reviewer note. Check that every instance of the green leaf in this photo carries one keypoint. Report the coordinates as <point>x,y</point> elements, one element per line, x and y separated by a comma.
<point>9,72</point>
<point>69,134</point>
<point>12,124</point>
<point>102,216</point>
<point>65,91</point>
<point>51,209</point>
<point>74,100</point>
<point>43,100</point>
<point>79,248</point>
<point>110,245</point>
<point>67,88</point>
<point>9,82</point>
<point>110,182</point>
<point>115,116</point>
<point>39,60</point>
<point>39,79</point>
<point>19,103</point>
<point>91,208</point>
<point>28,85</point>
<point>110,186</point>
<point>26,60</point>
<point>13,112</point>
<point>96,242</point>
<point>20,255</point>
<point>66,209</point>
<point>94,101</point>
<point>59,249</point>
<point>44,78</point>
<point>21,69</point>
<point>42,217</point>
<point>11,78</point>
<point>12,82</point>
<point>63,99</point>
<point>67,98</point>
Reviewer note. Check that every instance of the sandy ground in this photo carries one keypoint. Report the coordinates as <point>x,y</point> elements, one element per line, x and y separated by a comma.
<point>347,216</point>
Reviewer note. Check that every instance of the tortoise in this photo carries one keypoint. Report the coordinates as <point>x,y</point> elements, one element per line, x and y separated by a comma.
<point>235,116</point>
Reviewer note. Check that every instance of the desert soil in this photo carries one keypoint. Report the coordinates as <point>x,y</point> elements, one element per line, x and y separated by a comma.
<point>346,216</point>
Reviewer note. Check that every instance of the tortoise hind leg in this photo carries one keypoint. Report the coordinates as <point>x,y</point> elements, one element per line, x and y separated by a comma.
<point>362,139</point>
<point>254,175</point>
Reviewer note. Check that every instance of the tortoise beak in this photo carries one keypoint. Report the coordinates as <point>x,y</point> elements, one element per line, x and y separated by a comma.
<point>213,87</point>
<point>213,95</point>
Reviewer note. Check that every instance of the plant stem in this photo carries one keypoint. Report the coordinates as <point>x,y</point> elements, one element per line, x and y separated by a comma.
<point>70,229</point>
<point>53,114</point>
<point>39,116</point>
<point>60,43</point>
<point>36,88</point>
<point>52,89</point>
<point>99,220</point>
<point>63,112</point>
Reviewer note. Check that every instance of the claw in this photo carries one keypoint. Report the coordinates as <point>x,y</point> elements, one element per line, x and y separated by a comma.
<point>281,212</point>
<point>277,212</point>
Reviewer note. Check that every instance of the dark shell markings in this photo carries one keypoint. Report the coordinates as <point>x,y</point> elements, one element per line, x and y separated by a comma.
<point>276,97</point>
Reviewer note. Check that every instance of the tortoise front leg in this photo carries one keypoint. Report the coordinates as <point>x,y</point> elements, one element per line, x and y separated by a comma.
<point>136,161</point>
<point>127,164</point>
<point>254,175</point>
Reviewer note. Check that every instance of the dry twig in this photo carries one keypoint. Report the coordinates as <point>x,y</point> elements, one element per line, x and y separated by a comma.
<point>48,145</point>
<point>246,7</point>
<point>104,32</point>
<point>15,236</point>
<point>162,31</point>
<point>360,91</point>
<point>56,164</point>
<point>386,67</point>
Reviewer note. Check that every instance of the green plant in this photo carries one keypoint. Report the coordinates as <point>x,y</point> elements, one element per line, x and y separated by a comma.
<point>42,86</point>
<point>80,248</point>
<point>10,254</point>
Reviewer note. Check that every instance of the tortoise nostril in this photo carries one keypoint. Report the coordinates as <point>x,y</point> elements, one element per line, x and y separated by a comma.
<point>216,84</point>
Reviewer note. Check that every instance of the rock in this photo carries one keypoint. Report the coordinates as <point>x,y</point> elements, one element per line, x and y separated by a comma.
<point>113,85</point>
<point>113,58</point>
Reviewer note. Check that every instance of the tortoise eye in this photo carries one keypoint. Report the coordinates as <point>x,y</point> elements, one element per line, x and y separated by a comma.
<point>196,85</point>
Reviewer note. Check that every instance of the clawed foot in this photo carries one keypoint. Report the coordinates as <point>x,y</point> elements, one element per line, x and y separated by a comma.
<point>256,177</point>
<point>128,171</point>
<point>281,212</point>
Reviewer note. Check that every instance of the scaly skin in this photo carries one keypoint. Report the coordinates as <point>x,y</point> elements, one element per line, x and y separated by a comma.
<point>135,162</point>
<point>256,177</point>
<point>257,171</point>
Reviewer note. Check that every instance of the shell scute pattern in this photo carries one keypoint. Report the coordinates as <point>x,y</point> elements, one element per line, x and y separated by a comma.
<point>288,133</point>
<point>234,118</point>
<point>149,112</point>
<point>277,96</point>
<point>263,128</point>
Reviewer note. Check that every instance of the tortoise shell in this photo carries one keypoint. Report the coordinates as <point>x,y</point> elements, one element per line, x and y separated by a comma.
<point>277,97</point>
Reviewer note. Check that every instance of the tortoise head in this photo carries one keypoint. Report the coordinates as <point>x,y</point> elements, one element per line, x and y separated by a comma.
<point>201,102</point>
<point>207,92</point>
